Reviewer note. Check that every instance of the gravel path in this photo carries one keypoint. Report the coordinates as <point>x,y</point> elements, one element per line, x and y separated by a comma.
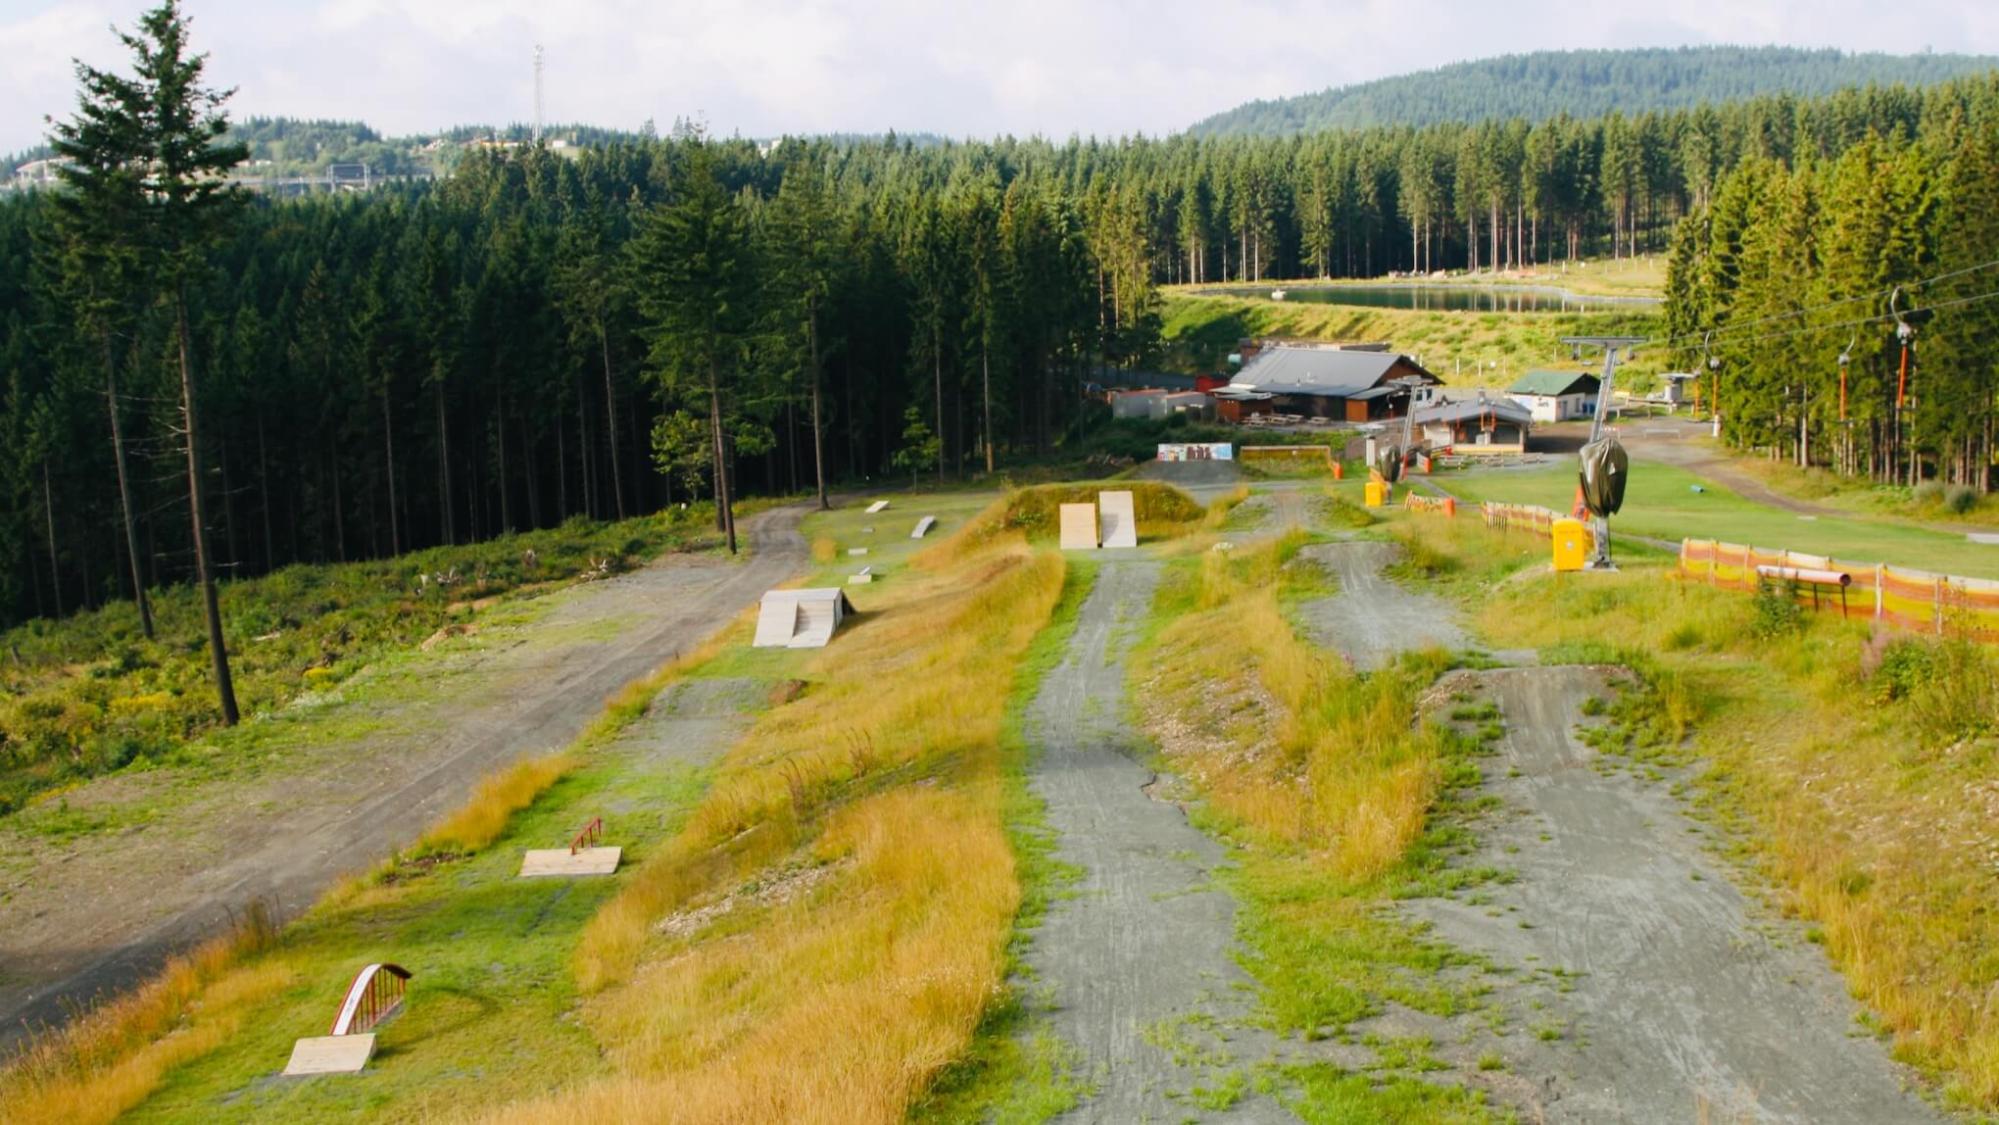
<point>1138,961</point>
<point>93,914</point>
<point>1686,1002</point>
<point>1369,618</point>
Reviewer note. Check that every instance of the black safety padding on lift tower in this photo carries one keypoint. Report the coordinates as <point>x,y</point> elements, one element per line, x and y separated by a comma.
<point>1605,469</point>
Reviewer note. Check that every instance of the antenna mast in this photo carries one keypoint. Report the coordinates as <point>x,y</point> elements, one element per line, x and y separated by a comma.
<point>537,93</point>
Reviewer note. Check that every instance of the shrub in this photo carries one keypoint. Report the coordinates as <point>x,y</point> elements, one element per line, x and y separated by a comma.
<point>1777,613</point>
<point>1929,492</point>
<point>1960,500</point>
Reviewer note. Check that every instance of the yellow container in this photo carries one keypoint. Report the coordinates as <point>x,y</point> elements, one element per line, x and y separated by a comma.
<point>1375,493</point>
<point>1571,540</point>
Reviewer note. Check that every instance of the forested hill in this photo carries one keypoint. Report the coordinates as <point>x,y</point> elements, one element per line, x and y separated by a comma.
<point>1545,84</point>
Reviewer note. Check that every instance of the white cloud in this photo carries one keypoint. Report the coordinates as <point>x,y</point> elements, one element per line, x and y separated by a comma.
<point>759,67</point>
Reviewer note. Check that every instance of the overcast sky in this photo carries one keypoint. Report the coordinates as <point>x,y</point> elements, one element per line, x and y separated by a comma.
<point>762,67</point>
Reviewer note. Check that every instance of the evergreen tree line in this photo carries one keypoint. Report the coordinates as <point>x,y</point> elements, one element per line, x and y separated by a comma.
<point>1588,83</point>
<point>543,336</point>
<point>1794,290</point>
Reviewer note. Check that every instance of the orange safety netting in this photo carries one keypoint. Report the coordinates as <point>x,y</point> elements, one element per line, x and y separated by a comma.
<point>1908,599</point>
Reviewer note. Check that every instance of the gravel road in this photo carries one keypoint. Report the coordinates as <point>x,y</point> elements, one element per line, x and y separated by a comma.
<point>1369,618</point>
<point>1138,961</point>
<point>1681,1001</point>
<point>93,914</point>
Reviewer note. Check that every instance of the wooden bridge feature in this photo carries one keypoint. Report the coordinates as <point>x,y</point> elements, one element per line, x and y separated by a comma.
<point>376,994</point>
<point>585,855</point>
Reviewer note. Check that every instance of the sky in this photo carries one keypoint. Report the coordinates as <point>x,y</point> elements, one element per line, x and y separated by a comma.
<point>765,67</point>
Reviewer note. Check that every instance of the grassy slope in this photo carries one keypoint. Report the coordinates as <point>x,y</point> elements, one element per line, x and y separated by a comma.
<point>492,1019</point>
<point>1857,774</point>
<point>1494,349</point>
<point>1661,503</point>
<point>88,694</point>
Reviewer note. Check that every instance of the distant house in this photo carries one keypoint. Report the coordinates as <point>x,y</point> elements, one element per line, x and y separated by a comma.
<point>1335,383</point>
<point>1476,426</point>
<point>1161,404</point>
<point>1556,396</point>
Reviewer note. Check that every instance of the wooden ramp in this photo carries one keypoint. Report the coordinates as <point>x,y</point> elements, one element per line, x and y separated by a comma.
<point>861,577</point>
<point>923,527</point>
<point>542,863</point>
<point>1079,527</point>
<point>800,618</point>
<point>330,1054</point>
<point>1120,521</point>
<point>877,506</point>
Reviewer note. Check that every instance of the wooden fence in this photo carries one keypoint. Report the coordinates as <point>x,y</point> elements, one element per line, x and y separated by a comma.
<point>1518,517</point>
<point>1899,596</point>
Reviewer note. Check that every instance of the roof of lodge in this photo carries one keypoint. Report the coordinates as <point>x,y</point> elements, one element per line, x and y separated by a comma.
<point>1504,410</point>
<point>1550,382</point>
<point>1332,372</point>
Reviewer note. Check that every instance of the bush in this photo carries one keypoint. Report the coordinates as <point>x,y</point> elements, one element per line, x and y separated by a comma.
<point>1929,492</point>
<point>1960,499</point>
<point>1777,613</point>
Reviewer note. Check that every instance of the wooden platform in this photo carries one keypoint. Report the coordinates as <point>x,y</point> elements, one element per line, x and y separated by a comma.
<point>561,862</point>
<point>331,1054</point>
<point>1079,527</point>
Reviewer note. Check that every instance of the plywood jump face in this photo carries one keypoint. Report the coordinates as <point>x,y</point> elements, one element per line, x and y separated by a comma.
<point>331,1054</point>
<point>1079,527</point>
<point>1120,519</point>
<point>877,506</point>
<point>923,527</point>
<point>800,618</point>
<point>544,863</point>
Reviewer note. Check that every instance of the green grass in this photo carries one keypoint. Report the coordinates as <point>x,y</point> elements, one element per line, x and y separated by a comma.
<point>88,695</point>
<point>1661,503</point>
<point>486,1020</point>
<point>1327,1095</point>
<point>1463,348</point>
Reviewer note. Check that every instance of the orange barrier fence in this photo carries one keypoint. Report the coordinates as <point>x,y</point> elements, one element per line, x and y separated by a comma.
<point>1443,505</point>
<point>1518,517</point>
<point>1909,599</point>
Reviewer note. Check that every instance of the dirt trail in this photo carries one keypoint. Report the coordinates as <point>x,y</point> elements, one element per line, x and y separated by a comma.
<point>1686,999</point>
<point>1138,961</point>
<point>91,915</point>
<point>1370,618</point>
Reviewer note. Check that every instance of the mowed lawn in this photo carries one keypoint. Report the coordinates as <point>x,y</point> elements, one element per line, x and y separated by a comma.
<point>1661,503</point>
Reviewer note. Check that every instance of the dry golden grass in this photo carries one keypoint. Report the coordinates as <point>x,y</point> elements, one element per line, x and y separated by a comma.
<point>824,550</point>
<point>101,1065</point>
<point>842,898</point>
<point>1300,751</point>
<point>836,1006</point>
<point>484,816</point>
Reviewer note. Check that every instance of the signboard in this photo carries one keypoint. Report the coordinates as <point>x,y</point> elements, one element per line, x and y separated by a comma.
<point>1196,451</point>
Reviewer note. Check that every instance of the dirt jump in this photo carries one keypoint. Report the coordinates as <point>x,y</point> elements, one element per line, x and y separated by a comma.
<point>281,834</point>
<point>1137,963</point>
<point>1678,999</point>
<point>1636,982</point>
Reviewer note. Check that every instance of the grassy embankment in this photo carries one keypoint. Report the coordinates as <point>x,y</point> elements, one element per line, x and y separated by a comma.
<point>1930,502</point>
<point>1472,349</point>
<point>850,846</point>
<point>1661,503</point>
<point>1860,775</point>
<point>89,695</point>
<point>1328,792</point>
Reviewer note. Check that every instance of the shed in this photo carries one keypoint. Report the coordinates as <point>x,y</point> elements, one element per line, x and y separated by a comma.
<point>1476,426</point>
<point>1341,383</point>
<point>800,618</point>
<point>1556,396</point>
<point>1155,403</point>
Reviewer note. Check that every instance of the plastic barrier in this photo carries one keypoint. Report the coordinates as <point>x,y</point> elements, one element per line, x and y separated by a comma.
<point>1908,599</point>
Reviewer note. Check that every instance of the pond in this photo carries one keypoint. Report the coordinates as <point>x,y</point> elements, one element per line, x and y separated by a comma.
<point>1451,298</point>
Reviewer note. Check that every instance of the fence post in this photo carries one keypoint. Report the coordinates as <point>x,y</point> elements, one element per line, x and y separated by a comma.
<point>1937,585</point>
<point>1880,581</point>
<point>1713,550</point>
